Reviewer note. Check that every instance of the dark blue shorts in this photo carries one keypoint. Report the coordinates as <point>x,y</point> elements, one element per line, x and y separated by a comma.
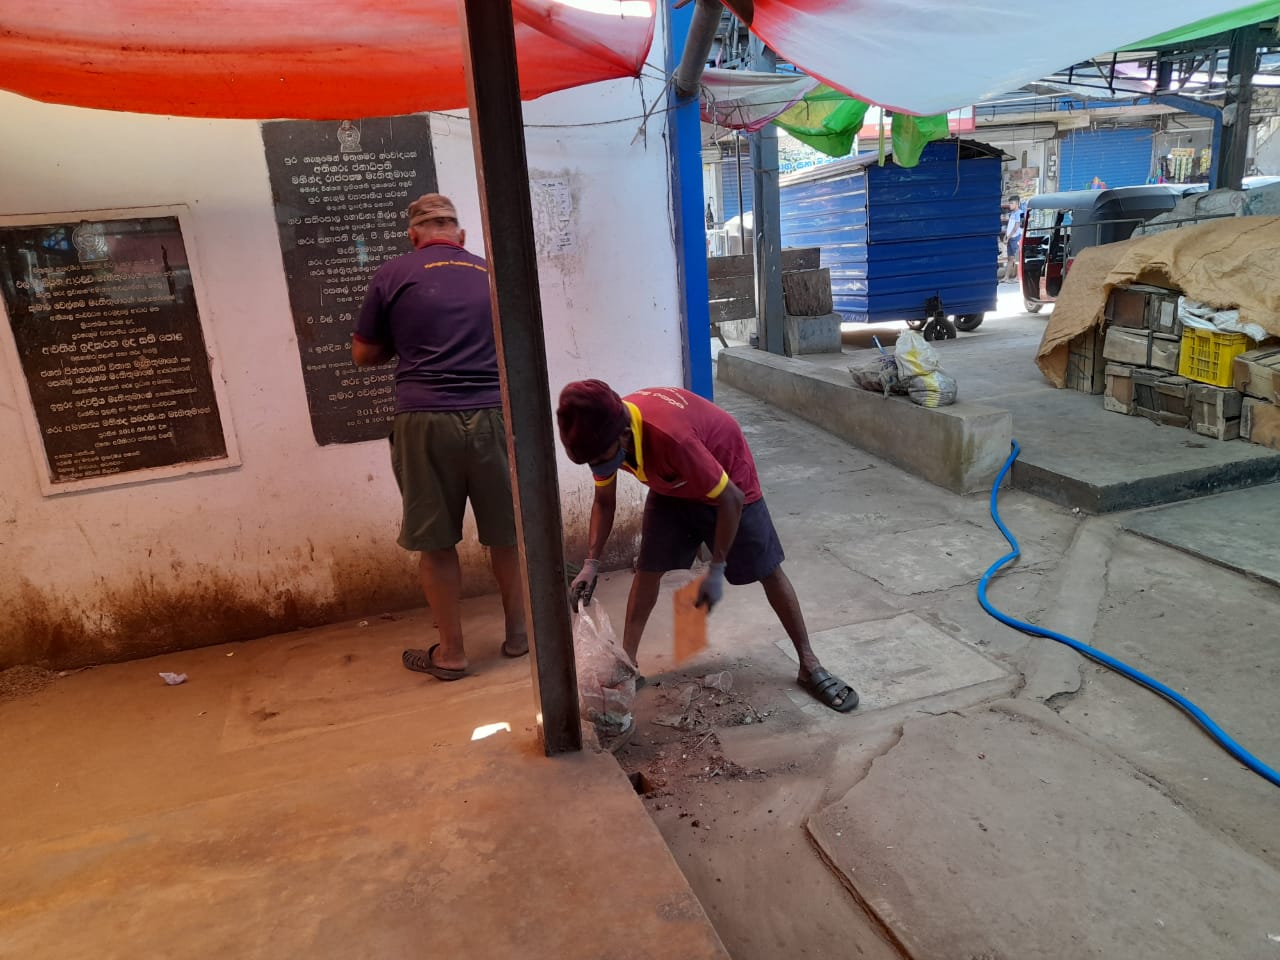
<point>674,528</point>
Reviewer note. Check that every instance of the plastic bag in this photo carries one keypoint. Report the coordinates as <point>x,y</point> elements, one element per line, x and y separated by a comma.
<point>606,675</point>
<point>915,356</point>
<point>878,373</point>
<point>1201,316</point>
<point>932,389</point>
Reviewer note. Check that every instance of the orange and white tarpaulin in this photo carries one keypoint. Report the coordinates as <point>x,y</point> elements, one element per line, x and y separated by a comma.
<point>931,56</point>
<point>305,59</point>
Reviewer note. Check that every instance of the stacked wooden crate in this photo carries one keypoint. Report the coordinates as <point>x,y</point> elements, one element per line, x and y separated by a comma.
<point>1256,375</point>
<point>1148,371</point>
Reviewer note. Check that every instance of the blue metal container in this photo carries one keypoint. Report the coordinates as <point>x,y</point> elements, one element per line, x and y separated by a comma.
<point>893,237</point>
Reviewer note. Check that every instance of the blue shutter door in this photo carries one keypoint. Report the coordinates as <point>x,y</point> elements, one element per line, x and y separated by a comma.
<point>729,184</point>
<point>1119,158</point>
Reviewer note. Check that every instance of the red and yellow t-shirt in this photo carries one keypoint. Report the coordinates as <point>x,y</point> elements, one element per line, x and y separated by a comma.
<point>685,446</point>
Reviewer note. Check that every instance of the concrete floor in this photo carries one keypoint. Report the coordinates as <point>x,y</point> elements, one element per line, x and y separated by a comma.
<point>305,796</point>
<point>789,819</point>
<point>1234,530</point>
<point>1074,452</point>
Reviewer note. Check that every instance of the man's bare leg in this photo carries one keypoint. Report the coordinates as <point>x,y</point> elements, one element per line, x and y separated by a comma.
<point>442,583</point>
<point>782,597</point>
<point>644,594</point>
<point>505,562</point>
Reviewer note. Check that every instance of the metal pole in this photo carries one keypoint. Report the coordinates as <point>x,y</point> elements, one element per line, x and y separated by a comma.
<point>1241,63</point>
<point>742,230</point>
<point>497,121</point>
<point>767,222</point>
<point>696,27</point>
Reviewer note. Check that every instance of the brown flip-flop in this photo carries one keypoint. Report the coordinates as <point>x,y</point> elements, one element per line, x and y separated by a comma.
<point>423,661</point>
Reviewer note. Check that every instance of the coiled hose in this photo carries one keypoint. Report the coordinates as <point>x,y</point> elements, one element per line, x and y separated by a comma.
<point>1223,739</point>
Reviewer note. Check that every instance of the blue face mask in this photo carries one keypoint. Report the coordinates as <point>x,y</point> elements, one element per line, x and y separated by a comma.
<point>603,471</point>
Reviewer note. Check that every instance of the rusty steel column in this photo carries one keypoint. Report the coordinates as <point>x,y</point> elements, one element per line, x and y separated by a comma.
<point>497,124</point>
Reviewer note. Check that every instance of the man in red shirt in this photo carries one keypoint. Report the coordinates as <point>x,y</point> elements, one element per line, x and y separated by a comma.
<point>703,488</point>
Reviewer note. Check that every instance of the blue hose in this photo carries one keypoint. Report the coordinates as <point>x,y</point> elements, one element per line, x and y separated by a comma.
<point>1199,716</point>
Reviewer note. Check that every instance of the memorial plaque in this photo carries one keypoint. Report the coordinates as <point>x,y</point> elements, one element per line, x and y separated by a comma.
<point>108,334</point>
<point>341,190</point>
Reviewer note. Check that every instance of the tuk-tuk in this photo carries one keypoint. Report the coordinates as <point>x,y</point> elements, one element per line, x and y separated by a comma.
<point>1057,226</point>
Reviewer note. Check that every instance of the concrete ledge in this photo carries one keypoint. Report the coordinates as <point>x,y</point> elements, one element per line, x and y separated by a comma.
<point>961,447</point>
<point>819,334</point>
<point>1058,486</point>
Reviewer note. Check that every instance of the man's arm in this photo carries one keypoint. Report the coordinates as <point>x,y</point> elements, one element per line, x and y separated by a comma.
<point>366,354</point>
<point>729,503</point>
<point>728,515</point>
<point>371,341</point>
<point>603,509</point>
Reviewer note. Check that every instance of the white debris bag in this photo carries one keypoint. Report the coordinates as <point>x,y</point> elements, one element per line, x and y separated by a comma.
<point>915,356</point>
<point>606,675</point>
<point>932,389</point>
<point>920,369</point>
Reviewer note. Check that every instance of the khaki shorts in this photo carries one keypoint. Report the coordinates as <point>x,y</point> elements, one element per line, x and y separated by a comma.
<point>442,459</point>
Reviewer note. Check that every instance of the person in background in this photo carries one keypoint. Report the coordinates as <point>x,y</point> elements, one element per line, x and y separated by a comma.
<point>703,489</point>
<point>1012,238</point>
<point>431,309</point>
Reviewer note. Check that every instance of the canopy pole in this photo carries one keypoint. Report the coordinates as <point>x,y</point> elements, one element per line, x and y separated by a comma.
<point>1242,61</point>
<point>697,47</point>
<point>766,220</point>
<point>497,123</point>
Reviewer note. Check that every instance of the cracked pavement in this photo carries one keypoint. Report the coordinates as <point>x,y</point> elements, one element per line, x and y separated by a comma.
<point>868,545</point>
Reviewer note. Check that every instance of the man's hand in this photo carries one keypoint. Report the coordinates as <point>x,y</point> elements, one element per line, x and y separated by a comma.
<point>712,588</point>
<point>366,354</point>
<point>584,584</point>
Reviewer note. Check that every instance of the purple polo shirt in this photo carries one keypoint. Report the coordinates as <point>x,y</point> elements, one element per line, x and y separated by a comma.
<point>432,307</point>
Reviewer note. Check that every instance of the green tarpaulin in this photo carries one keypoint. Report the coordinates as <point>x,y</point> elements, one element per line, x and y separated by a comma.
<point>1211,26</point>
<point>910,134</point>
<point>828,120</point>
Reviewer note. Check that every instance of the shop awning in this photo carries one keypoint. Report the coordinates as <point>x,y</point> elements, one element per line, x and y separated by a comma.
<point>325,60</point>
<point>931,56</point>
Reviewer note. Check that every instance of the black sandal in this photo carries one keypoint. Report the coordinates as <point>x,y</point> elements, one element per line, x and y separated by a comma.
<point>423,661</point>
<point>828,689</point>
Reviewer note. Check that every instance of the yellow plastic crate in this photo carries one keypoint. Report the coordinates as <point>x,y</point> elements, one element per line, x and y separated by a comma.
<point>1206,355</point>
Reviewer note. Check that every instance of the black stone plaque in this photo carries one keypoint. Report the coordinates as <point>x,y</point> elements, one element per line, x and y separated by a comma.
<point>105,320</point>
<point>341,189</point>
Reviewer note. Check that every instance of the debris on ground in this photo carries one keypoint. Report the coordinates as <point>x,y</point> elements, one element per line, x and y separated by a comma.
<point>23,681</point>
<point>703,705</point>
<point>173,679</point>
<point>695,708</point>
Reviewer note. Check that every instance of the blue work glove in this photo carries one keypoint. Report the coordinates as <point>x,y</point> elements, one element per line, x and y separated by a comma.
<point>584,584</point>
<point>712,587</point>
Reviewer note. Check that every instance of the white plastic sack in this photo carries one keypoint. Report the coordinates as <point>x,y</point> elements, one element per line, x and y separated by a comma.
<point>606,675</point>
<point>932,389</point>
<point>1201,316</point>
<point>915,356</point>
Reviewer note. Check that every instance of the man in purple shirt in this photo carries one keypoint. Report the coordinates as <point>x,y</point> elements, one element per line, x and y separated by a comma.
<point>431,310</point>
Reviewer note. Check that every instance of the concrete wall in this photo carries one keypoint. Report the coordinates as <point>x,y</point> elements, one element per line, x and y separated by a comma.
<point>959,447</point>
<point>298,534</point>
